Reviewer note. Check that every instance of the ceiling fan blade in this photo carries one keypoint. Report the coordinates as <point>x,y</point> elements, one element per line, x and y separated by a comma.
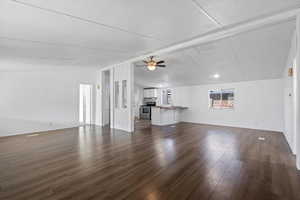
<point>160,62</point>
<point>145,61</point>
<point>161,65</point>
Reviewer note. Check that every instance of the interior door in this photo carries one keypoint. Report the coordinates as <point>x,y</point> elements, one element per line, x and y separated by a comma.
<point>106,98</point>
<point>85,104</point>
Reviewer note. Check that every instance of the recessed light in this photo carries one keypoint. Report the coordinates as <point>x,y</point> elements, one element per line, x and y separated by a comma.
<point>216,76</point>
<point>261,138</point>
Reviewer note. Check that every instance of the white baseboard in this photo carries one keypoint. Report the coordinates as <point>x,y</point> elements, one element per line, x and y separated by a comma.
<point>234,126</point>
<point>290,145</point>
<point>11,127</point>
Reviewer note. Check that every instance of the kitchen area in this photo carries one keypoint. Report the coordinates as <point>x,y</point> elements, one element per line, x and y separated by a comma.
<point>155,106</point>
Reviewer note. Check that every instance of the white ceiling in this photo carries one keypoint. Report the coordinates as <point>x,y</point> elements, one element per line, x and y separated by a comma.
<point>255,55</point>
<point>98,33</point>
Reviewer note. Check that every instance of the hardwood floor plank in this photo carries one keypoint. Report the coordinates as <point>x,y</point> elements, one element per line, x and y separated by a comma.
<point>188,161</point>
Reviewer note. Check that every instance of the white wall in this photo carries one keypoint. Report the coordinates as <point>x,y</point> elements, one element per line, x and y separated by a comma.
<point>121,118</point>
<point>289,98</point>
<point>124,117</point>
<point>297,92</point>
<point>138,99</point>
<point>40,100</point>
<point>258,105</point>
<point>181,96</point>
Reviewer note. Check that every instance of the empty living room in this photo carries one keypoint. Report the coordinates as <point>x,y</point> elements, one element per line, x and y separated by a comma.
<point>154,100</point>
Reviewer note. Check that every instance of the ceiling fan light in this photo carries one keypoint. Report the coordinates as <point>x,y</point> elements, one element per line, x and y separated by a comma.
<point>151,67</point>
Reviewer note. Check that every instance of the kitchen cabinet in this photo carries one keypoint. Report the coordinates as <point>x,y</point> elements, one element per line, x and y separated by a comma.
<point>146,93</point>
<point>165,115</point>
<point>150,93</point>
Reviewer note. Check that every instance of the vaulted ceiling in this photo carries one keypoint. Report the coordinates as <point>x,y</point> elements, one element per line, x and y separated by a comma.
<point>93,33</point>
<point>255,55</point>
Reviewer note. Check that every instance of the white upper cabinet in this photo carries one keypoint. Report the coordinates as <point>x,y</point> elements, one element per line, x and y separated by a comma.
<point>150,93</point>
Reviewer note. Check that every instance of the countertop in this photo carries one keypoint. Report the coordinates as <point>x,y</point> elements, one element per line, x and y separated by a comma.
<point>170,107</point>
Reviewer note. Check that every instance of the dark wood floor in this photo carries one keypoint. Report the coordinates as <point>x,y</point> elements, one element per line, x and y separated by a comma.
<point>184,162</point>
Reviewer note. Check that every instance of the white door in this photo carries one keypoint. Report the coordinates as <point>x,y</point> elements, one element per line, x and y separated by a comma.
<point>106,98</point>
<point>85,104</point>
<point>123,97</point>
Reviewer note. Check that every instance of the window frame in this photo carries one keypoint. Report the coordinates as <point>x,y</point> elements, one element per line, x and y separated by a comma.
<point>221,91</point>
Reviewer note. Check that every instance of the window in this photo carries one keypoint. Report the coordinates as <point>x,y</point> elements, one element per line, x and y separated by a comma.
<point>221,99</point>
<point>124,94</point>
<point>117,94</point>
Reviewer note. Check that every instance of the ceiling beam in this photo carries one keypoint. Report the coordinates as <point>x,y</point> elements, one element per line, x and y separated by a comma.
<point>224,32</point>
<point>209,16</point>
<point>84,19</point>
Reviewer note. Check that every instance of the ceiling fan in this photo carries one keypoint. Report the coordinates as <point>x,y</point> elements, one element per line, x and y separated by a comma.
<point>151,64</point>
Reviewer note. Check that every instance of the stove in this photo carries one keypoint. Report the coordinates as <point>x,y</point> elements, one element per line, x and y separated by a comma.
<point>145,110</point>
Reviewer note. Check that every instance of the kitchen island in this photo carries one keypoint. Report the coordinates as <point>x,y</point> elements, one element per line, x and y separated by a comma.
<point>165,115</point>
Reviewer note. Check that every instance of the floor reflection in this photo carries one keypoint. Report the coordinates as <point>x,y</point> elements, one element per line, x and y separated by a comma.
<point>188,161</point>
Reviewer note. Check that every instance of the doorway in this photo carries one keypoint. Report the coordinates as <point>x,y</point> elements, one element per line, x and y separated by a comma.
<point>106,98</point>
<point>85,104</point>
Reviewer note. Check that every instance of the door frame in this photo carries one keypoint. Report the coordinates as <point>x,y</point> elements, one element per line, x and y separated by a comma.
<point>104,87</point>
<point>83,122</point>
